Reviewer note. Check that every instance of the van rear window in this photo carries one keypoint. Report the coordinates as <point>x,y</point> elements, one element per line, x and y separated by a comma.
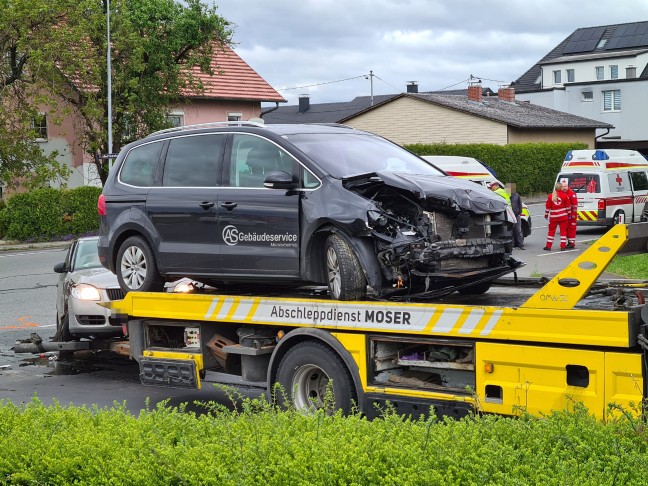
<point>582,183</point>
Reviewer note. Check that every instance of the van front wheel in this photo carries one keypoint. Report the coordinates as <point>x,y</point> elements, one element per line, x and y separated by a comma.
<point>136,267</point>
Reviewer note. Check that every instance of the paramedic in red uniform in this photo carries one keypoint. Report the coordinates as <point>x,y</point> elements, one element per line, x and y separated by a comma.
<point>557,211</point>
<point>573,216</point>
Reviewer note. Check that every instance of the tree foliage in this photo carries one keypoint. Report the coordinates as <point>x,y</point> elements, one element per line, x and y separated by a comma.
<point>155,44</point>
<point>23,27</point>
<point>56,57</point>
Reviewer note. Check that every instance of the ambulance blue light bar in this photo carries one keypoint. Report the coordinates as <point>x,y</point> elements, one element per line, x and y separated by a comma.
<point>600,155</point>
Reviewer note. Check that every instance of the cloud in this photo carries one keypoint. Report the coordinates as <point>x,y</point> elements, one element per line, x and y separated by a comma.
<point>437,43</point>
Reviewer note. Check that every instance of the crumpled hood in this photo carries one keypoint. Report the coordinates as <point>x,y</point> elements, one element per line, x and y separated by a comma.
<point>462,195</point>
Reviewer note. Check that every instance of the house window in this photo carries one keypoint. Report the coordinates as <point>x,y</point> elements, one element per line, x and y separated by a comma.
<point>175,119</point>
<point>234,116</point>
<point>587,96</point>
<point>556,75</point>
<point>614,72</point>
<point>631,72</point>
<point>570,76</point>
<point>600,73</point>
<point>612,100</point>
<point>39,124</point>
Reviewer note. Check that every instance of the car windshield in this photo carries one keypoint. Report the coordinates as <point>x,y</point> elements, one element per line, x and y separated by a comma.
<point>86,255</point>
<point>347,154</point>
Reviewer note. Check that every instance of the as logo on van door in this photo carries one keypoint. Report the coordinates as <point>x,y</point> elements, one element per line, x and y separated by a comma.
<point>232,236</point>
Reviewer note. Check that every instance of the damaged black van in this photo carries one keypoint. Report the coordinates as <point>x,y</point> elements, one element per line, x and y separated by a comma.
<point>245,204</point>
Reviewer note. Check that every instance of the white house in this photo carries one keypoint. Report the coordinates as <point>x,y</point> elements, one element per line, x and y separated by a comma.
<point>599,73</point>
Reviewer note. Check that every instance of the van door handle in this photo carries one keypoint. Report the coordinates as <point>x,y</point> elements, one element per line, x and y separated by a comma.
<point>229,205</point>
<point>206,204</point>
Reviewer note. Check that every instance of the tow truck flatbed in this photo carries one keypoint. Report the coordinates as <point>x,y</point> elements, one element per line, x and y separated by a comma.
<point>526,345</point>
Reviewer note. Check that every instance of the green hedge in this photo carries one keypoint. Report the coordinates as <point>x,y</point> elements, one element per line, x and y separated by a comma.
<point>260,445</point>
<point>532,166</point>
<point>46,214</point>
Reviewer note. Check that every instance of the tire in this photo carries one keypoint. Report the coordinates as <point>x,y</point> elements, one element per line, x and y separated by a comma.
<point>345,278</point>
<point>307,372</point>
<point>477,289</point>
<point>526,228</point>
<point>63,329</point>
<point>136,267</point>
<point>616,218</point>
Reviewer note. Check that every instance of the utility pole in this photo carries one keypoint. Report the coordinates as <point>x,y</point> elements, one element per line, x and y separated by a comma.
<point>109,73</point>
<point>371,76</point>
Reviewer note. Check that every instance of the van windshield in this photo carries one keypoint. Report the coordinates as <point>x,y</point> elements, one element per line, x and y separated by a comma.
<point>343,155</point>
<point>582,183</point>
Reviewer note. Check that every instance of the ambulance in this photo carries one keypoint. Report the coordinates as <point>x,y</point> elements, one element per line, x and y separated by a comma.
<point>476,171</point>
<point>611,185</point>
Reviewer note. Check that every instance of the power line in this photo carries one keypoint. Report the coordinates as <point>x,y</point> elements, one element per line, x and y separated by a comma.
<point>320,84</point>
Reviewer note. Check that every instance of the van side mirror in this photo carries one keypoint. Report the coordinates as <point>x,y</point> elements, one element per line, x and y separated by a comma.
<point>279,180</point>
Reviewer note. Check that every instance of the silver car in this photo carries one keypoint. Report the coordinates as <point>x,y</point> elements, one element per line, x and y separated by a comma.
<point>83,283</point>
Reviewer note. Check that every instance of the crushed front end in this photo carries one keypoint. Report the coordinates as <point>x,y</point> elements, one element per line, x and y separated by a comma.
<point>433,240</point>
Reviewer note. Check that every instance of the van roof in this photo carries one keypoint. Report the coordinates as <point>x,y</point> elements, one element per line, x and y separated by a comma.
<point>610,159</point>
<point>458,166</point>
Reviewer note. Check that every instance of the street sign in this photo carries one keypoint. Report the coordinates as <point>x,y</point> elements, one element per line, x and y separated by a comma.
<point>108,156</point>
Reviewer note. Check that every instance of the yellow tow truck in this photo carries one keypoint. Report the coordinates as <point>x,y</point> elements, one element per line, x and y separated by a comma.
<point>572,340</point>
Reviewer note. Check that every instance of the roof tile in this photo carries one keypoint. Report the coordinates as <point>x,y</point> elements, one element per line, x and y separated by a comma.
<point>233,79</point>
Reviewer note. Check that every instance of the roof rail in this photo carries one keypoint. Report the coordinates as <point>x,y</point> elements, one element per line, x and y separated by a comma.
<point>239,123</point>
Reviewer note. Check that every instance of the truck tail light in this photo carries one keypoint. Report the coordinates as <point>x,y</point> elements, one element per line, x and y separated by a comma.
<point>101,205</point>
<point>601,204</point>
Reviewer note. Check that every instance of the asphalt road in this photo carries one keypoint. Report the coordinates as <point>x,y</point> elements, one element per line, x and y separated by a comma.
<point>27,304</point>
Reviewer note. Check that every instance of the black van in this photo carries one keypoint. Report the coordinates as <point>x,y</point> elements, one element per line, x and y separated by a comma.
<point>244,204</point>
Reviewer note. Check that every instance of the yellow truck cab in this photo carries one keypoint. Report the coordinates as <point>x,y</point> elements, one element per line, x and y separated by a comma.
<point>611,185</point>
<point>476,171</point>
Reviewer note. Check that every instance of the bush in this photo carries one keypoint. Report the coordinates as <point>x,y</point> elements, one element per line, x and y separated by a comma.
<point>532,166</point>
<point>260,445</point>
<point>3,228</point>
<point>46,214</point>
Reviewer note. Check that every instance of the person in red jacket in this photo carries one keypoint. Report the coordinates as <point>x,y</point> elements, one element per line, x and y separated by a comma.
<point>557,211</point>
<point>573,216</point>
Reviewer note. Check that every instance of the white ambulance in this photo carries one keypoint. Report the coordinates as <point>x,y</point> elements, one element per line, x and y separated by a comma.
<point>476,171</point>
<point>611,185</point>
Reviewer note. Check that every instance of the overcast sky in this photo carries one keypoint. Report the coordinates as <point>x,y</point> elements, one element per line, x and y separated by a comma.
<point>304,44</point>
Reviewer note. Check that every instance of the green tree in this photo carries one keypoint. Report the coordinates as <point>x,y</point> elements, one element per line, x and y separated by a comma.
<point>23,26</point>
<point>155,44</point>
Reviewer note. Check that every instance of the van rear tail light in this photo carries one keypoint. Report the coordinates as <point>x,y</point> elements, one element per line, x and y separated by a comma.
<point>101,205</point>
<point>601,204</point>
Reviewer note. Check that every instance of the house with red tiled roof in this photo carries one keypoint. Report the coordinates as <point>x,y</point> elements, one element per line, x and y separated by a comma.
<point>234,92</point>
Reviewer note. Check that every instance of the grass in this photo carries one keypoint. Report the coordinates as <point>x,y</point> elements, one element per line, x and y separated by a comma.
<point>632,266</point>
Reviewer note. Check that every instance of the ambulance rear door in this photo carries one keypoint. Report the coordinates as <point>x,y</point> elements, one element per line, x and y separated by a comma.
<point>587,186</point>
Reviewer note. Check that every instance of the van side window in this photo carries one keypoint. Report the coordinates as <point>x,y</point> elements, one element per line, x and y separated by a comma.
<point>254,157</point>
<point>194,161</point>
<point>639,181</point>
<point>619,182</point>
<point>139,167</point>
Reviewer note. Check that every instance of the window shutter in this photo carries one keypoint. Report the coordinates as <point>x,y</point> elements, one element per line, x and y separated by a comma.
<point>607,100</point>
<point>617,99</point>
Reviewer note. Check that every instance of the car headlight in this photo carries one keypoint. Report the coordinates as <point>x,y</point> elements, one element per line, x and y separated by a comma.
<point>85,292</point>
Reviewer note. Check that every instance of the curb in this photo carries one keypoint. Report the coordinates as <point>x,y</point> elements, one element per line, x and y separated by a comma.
<point>18,246</point>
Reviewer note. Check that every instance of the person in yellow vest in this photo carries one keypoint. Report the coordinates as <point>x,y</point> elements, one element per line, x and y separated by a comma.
<point>518,240</point>
<point>497,188</point>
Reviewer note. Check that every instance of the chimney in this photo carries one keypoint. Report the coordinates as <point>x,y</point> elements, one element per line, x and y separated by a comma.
<point>412,86</point>
<point>475,91</point>
<point>304,103</point>
<point>506,93</point>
